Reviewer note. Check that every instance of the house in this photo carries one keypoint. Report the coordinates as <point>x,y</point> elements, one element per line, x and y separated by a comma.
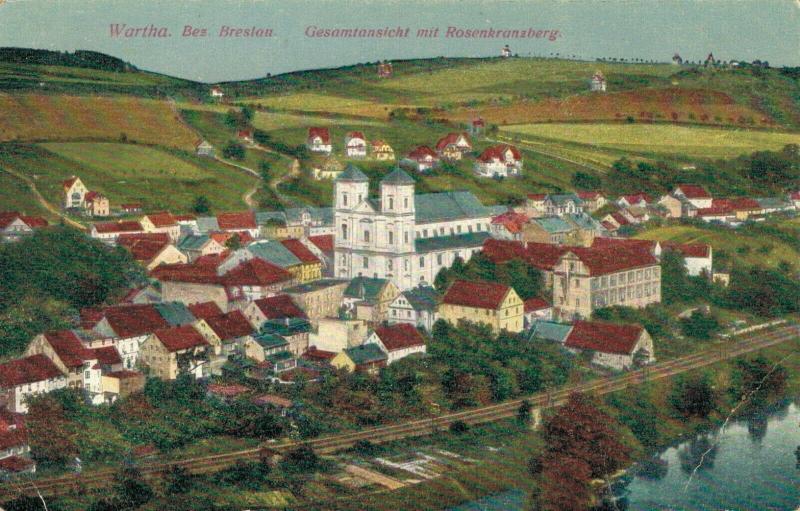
<point>561,204</point>
<point>641,200</point>
<point>322,246</point>
<point>131,208</point>
<point>65,349</point>
<point>335,334</point>
<point>273,402</point>
<point>172,351</point>
<point>204,148</point>
<point>499,161</point>
<point>589,278</point>
<point>74,192</point>
<point>216,92</point>
<point>329,168</point>
<point>397,341</point>
<point>227,334</point>
<point>204,310</point>
<point>355,145</point>
<point>695,195</point>
<point>496,305</point>
<point>794,198</point>
<point>121,384</point>
<point>382,151</point>
<point>296,331</point>
<point>509,226</point>
<point>310,266</point>
<point>505,52</point>
<point>231,239</point>
<point>738,209</point>
<point>770,205</point>
<point>238,222</point>
<point>164,222</point>
<point>476,127</point>
<point>598,82</point>
<point>592,200</point>
<point>14,447</point>
<point>453,146</point>
<point>542,256</point>
<point>368,299</point>
<point>96,204</point>
<point>697,257</point>
<point>28,376</point>
<point>319,140</point>
<point>245,136</point>
<point>536,309</point>
<point>195,246</point>
<point>677,60</point>
<point>125,327</point>
<point>675,208</point>
<point>421,159</point>
<point>614,346</point>
<point>262,310</point>
<point>318,299</point>
<point>263,345</point>
<point>290,255</point>
<point>384,69</point>
<point>13,225</point>
<point>550,229</point>
<point>416,307</point>
<point>367,358</point>
<point>152,249</point>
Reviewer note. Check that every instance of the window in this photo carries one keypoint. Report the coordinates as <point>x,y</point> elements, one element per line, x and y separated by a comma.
<point>458,229</point>
<point>391,238</point>
<point>439,259</point>
<point>365,261</point>
<point>359,198</point>
<point>344,231</point>
<point>425,233</point>
<point>391,203</point>
<point>405,264</point>
<point>366,236</point>
<point>469,227</point>
<point>421,262</point>
<point>405,237</point>
<point>344,199</point>
<point>441,231</point>
<point>390,264</point>
<point>405,202</point>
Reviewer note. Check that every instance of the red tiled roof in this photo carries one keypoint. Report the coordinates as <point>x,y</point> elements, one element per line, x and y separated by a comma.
<point>613,258</point>
<point>180,338</point>
<point>124,374</point>
<point>450,138</point>
<point>107,355</point>
<point>608,225</point>
<point>121,226</point>
<point>91,196</point>
<point>422,152</point>
<point>205,310</point>
<point>497,152</point>
<point>701,250</point>
<point>201,271</point>
<point>6,217</point>
<point>162,219</point>
<point>737,204</point>
<point>693,191</point>
<point>230,390</point>
<point>400,336</point>
<point>543,256</point>
<point>34,221</point>
<point>300,251</point>
<point>312,353</point>
<point>256,272</point>
<point>635,198</point>
<point>279,307</point>
<point>620,218</point>
<point>14,438</point>
<point>133,320</point>
<point>482,295</point>
<point>223,237</point>
<point>237,220</point>
<point>356,134</point>
<point>632,243</point>
<point>324,242</point>
<point>272,400</point>
<point>185,217</point>
<point>535,304</point>
<point>68,347</point>
<point>67,183</point>
<point>131,206</point>
<point>603,337</point>
<point>15,464</point>
<point>378,143</point>
<point>27,370</point>
<point>144,246</point>
<point>231,325</point>
<point>322,133</point>
<point>513,221</point>
<point>245,134</point>
<point>537,196</point>
<point>589,195</point>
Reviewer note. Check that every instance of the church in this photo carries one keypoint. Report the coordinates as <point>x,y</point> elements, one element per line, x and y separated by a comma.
<point>401,236</point>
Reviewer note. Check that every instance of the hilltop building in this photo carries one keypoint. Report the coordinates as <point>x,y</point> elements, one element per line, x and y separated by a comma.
<point>598,82</point>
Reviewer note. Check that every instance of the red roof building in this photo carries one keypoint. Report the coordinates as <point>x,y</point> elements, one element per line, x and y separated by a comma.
<point>129,320</point>
<point>535,304</point>
<point>604,337</point>
<point>422,153</point>
<point>279,307</point>
<point>324,242</point>
<point>698,250</point>
<point>237,221</point>
<point>478,295</point>
<point>68,347</point>
<point>123,226</point>
<point>692,191</point>
<point>230,326</point>
<point>613,258</point>
<point>162,219</point>
<point>322,133</point>
<point>499,152</point>
<point>32,369</point>
<point>300,251</point>
<point>512,221</point>
<point>205,310</point>
<point>399,337</point>
<point>256,273</point>
<point>107,356</point>
<point>180,338</point>
<point>144,247</point>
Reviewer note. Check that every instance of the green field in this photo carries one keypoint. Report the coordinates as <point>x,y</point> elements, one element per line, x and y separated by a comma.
<point>15,195</point>
<point>158,178</point>
<point>659,139</point>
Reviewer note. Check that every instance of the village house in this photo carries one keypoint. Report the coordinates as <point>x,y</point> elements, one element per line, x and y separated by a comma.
<point>641,200</point>
<point>335,334</point>
<point>263,345</point>
<point>397,341</point>
<point>163,222</point>
<point>536,309</point>
<point>172,351</point>
<point>125,327</point>
<point>416,307</point>
<point>96,204</point>
<point>28,376</point>
<point>276,307</point>
<point>552,229</point>
<point>404,237</point>
<point>499,161</point>
<point>542,256</point>
<point>384,69</point>
<point>110,231</point>
<point>697,257</point>
<point>421,159</point>
<point>151,249</point>
<point>329,168</point>
<point>592,201</point>
<point>617,347</point>
<point>239,222</point>
<point>695,195</point>
<point>355,145</point>
<point>74,193</point>
<point>476,127</point>
<point>319,141</point>
<point>675,208</point>
<point>589,278</point>
<point>121,384</point>
<point>216,92</point>
<point>323,248</point>
<point>231,331</point>
<point>495,305</point>
<point>13,225</point>
<point>14,446</point>
<point>245,136</point>
<point>794,198</point>
<point>295,330</point>
<point>382,151</point>
<point>368,299</point>
<point>195,246</point>
<point>731,210</point>
<point>319,299</point>
<point>290,255</point>
<point>597,82</point>
<point>453,146</point>
<point>310,266</point>
<point>505,52</point>
<point>509,226</point>
<point>204,148</point>
<point>367,358</point>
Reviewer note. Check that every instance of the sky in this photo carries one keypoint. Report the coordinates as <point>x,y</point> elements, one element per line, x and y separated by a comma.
<point>647,29</point>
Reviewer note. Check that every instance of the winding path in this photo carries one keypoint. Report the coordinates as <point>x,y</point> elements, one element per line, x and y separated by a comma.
<point>42,201</point>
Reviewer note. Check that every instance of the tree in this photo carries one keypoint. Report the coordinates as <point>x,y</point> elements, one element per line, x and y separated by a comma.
<point>585,181</point>
<point>302,459</point>
<point>264,168</point>
<point>234,242</point>
<point>201,205</point>
<point>693,395</point>
<point>131,490</point>
<point>757,379</point>
<point>52,436</point>
<point>233,150</point>
<point>178,481</point>
<point>524,412</point>
<point>699,325</point>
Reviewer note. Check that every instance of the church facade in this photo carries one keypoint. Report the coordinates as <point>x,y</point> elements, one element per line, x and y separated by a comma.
<point>401,236</point>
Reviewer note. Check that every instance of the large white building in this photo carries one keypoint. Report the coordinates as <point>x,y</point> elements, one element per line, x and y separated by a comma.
<point>401,236</point>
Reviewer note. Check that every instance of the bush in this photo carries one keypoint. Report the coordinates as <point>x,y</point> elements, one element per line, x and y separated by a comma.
<point>693,396</point>
<point>300,460</point>
<point>699,326</point>
<point>459,427</point>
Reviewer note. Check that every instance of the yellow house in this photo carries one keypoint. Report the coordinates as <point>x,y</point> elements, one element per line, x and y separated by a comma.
<point>276,229</point>
<point>367,358</point>
<point>496,305</point>
<point>382,151</point>
<point>172,351</point>
<point>310,267</point>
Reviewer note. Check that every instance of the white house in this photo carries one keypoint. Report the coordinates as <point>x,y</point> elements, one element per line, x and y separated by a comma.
<point>28,376</point>
<point>697,257</point>
<point>421,159</point>
<point>355,145</point>
<point>598,82</point>
<point>319,140</point>
<point>614,346</point>
<point>536,309</point>
<point>216,92</point>
<point>416,307</point>
<point>695,195</point>
<point>397,341</point>
<point>499,161</point>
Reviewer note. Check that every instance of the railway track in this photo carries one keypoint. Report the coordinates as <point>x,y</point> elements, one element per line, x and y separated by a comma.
<point>77,483</point>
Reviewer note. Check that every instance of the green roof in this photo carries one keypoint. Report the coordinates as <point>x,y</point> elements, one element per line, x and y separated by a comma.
<point>437,207</point>
<point>365,288</point>
<point>560,198</point>
<point>288,326</point>
<point>365,354</point>
<point>273,252</point>
<point>313,286</point>
<point>584,221</point>
<point>553,224</point>
<point>771,202</point>
<point>550,331</point>
<point>193,242</point>
<point>399,177</point>
<point>422,298</point>
<point>175,313</point>
<point>352,173</point>
<point>280,356</point>
<point>270,341</point>
<point>207,224</point>
<point>467,240</point>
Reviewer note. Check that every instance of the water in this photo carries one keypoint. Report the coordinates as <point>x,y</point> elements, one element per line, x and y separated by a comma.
<point>753,467</point>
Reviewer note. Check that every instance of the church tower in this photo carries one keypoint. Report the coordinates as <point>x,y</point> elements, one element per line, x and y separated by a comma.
<point>350,189</point>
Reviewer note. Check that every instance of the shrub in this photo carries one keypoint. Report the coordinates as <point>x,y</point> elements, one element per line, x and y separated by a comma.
<point>459,427</point>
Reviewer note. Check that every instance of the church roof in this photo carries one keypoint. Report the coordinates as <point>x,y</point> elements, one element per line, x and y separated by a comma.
<point>438,207</point>
<point>398,176</point>
<point>465,240</point>
<point>352,173</point>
